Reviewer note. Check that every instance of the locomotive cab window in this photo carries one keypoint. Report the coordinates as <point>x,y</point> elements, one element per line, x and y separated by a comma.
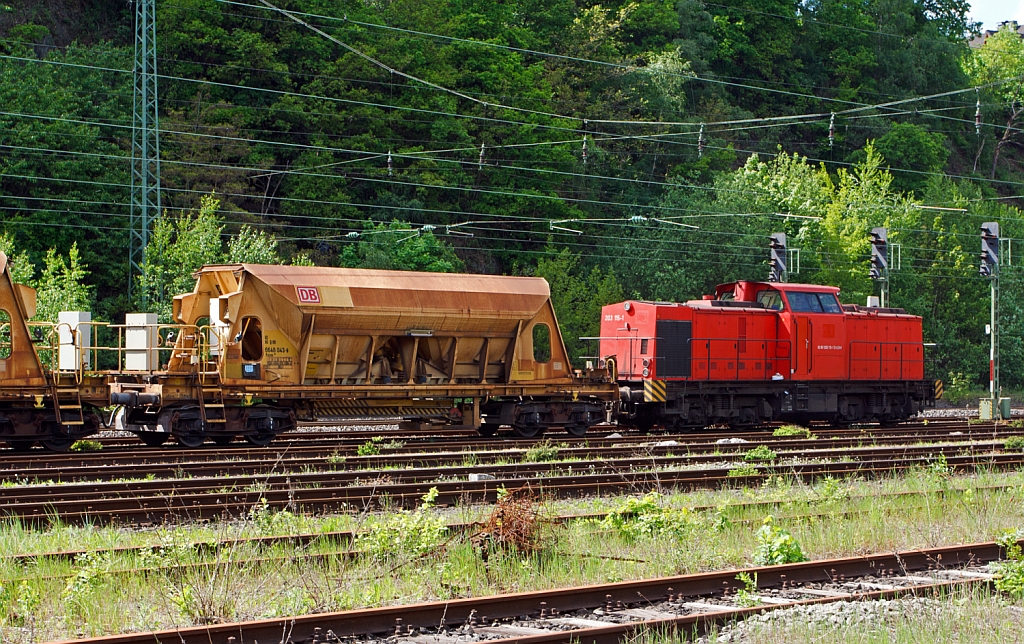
<point>252,339</point>
<point>541,343</point>
<point>801,302</point>
<point>770,299</point>
<point>5,335</point>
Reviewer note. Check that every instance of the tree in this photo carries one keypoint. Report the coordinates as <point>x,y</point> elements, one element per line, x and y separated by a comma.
<point>911,147</point>
<point>1000,61</point>
<point>22,270</point>
<point>62,286</point>
<point>178,247</point>
<point>253,247</point>
<point>398,247</point>
<point>577,296</point>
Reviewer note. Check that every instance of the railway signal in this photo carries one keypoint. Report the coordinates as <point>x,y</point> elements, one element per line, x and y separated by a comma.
<point>777,262</point>
<point>880,261</point>
<point>990,268</point>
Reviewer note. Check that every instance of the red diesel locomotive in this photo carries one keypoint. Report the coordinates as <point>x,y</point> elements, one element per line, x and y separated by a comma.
<point>757,352</point>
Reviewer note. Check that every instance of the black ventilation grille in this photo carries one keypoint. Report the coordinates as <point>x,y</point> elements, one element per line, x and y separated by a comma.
<point>673,348</point>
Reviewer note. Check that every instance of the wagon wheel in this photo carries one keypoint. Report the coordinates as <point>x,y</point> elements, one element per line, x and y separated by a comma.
<point>58,444</point>
<point>528,431</point>
<point>261,439</point>
<point>190,440</point>
<point>488,429</point>
<point>577,429</point>
<point>153,439</point>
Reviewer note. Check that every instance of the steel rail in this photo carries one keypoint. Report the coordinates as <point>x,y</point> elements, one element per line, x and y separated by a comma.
<point>628,599</point>
<point>164,506</point>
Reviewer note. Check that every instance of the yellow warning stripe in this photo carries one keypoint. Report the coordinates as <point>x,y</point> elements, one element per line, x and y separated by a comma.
<point>655,391</point>
<point>938,389</point>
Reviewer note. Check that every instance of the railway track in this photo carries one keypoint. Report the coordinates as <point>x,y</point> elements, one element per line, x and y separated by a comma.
<point>611,613</point>
<point>200,499</point>
<point>126,464</point>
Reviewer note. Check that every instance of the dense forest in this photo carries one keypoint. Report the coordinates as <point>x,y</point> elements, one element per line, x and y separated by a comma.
<point>639,148</point>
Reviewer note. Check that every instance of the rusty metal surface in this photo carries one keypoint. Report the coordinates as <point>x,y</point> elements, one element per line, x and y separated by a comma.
<point>382,620</point>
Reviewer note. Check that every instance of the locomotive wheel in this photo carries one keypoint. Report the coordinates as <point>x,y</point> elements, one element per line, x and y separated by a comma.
<point>153,439</point>
<point>578,429</point>
<point>528,431</point>
<point>222,441</point>
<point>61,444</point>
<point>190,440</point>
<point>21,445</point>
<point>261,439</point>
<point>488,429</point>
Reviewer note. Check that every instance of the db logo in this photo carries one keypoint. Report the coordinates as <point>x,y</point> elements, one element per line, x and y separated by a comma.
<point>308,294</point>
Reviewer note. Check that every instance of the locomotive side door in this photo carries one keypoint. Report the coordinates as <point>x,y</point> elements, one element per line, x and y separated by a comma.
<point>802,343</point>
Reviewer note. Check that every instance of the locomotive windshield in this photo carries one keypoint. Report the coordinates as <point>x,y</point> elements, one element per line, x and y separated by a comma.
<point>770,300</point>
<point>801,302</point>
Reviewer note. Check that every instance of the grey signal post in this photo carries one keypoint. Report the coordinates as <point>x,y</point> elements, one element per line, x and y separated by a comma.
<point>880,262</point>
<point>989,268</point>
<point>777,261</point>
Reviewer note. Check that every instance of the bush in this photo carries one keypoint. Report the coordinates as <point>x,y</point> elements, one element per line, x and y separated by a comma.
<point>776,546</point>
<point>760,453</point>
<point>1015,443</point>
<point>542,452</point>
<point>793,430</point>
<point>370,447</point>
<point>86,446</point>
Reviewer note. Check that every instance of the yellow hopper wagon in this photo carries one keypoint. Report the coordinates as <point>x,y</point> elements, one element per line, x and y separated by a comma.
<point>262,347</point>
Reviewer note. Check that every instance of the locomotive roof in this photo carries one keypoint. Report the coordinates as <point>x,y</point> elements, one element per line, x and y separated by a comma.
<point>786,286</point>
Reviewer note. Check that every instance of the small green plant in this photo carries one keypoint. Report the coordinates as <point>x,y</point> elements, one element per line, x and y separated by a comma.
<point>542,452</point>
<point>832,489</point>
<point>1014,443</point>
<point>760,453</point>
<point>336,459</point>
<point>647,517</point>
<point>86,446</point>
<point>776,545</point>
<point>747,596</point>
<point>958,388</point>
<point>793,430</point>
<point>1010,573</point>
<point>405,533</point>
<point>940,466</point>
<point>370,447</point>
<point>744,470</point>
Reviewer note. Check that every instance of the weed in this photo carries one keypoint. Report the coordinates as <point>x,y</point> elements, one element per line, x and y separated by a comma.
<point>747,596</point>
<point>832,489</point>
<point>647,517</point>
<point>744,470</point>
<point>760,453</point>
<point>370,447</point>
<point>776,545</point>
<point>793,430</point>
<point>86,446</point>
<point>940,466</point>
<point>1010,573</point>
<point>394,444</point>
<point>406,533</point>
<point>1017,423</point>
<point>542,452</point>
<point>502,492</point>
<point>336,459</point>
<point>513,527</point>
<point>1015,443</point>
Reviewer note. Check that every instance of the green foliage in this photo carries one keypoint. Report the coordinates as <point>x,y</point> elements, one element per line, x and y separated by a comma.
<point>1014,443</point>
<point>1010,573</point>
<point>912,147</point>
<point>957,388</point>
<point>62,285</point>
<point>371,447</point>
<point>542,452</point>
<point>793,430</point>
<point>744,470</point>
<point>747,596</point>
<point>22,270</point>
<point>646,517</point>
<point>178,247</point>
<point>86,446</point>
<point>760,453</point>
<point>776,545</point>
<point>395,246</point>
<point>405,534</point>
<point>253,247</point>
